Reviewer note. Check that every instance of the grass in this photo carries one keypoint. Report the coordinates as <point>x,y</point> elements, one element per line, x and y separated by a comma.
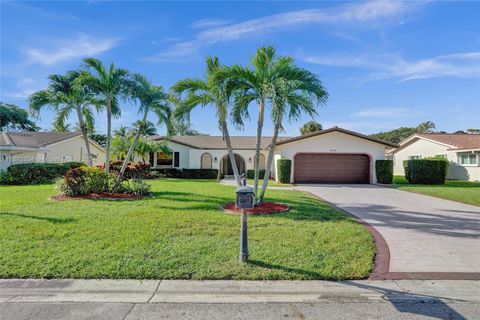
<point>271,183</point>
<point>456,190</point>
<point>179,233</point>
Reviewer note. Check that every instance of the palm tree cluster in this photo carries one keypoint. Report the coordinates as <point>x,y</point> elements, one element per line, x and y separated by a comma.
<point>273,83</point>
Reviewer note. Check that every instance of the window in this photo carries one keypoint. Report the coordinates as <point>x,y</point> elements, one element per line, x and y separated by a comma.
<point>164,158</point>
<point>467,159</point>
<point>414,157</point>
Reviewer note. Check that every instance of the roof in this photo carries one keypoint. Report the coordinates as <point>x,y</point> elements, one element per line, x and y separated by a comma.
<point>456,141</point>
<point>352,133</point>
<point>249,142</point>
<point>33,139</point>
<point>451,140</point>
<point>217,142</point>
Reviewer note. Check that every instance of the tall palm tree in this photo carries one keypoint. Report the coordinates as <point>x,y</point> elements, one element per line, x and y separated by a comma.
<point>257,85</point>
<point>150,98</point>
<point>208,91</point>
<point>110,85</point>
<point>66,93</point>
<point>295,91</point>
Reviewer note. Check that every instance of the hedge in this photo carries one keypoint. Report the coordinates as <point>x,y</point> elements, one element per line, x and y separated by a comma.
<point>251,173</point>
<point>426,171</point>
<point>36,173</point>
<point>384,171</point>
<point>284,167</point>
<point>188,173</point>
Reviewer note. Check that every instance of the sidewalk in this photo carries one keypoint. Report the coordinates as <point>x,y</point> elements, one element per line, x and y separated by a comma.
<point>170,299</point>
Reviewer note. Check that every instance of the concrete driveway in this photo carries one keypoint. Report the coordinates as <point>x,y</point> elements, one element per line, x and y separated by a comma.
<point>424,234</point>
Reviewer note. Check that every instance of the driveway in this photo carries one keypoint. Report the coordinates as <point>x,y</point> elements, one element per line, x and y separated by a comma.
<point>424,234</point>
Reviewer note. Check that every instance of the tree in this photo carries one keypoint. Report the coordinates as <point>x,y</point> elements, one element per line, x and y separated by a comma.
<point>61,127</point>
<point>14,118</point>
<point>310,127</point>
<point>66,94</point>
<point>425,127</point>
<point>459,132</point>
<point>109,85</point>
<point>183,128</point>
<point>150,98</point>
<point>255,85</point>
<point>149,128</point>
<point>99,138</point>
<point>473,131</point>
<point>209,91</point>
<point>295,91</point>
<point>397,135</point>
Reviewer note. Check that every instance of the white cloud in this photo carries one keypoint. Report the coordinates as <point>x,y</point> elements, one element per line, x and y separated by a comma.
<point>459,65</point>
<point>61,50</point>
<point>365,13</point>
<point>209,23</point>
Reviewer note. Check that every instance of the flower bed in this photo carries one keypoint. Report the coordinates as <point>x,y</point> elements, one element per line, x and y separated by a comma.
<point>94,196</point>
<point>264,208</point>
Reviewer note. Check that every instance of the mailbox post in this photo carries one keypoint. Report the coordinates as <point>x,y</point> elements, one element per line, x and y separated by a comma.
<point>245,199</point>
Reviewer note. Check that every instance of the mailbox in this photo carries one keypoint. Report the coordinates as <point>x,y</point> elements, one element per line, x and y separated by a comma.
<point>245,197</point>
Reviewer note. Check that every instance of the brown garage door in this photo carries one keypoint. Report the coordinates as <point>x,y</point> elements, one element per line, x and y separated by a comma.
<point>331,168</point>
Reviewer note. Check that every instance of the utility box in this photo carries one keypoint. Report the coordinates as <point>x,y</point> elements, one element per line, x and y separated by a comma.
<point>245,198</point>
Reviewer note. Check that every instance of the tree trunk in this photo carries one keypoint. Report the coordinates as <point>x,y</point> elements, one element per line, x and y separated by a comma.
<point>109,135</point>
<point>231,155</point>
<point>83,129</point>
<point>132,146</point>
<point>271,153</point>
<point>261,111</point>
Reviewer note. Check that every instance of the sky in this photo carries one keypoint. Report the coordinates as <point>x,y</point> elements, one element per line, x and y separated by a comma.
<point>384,64</point>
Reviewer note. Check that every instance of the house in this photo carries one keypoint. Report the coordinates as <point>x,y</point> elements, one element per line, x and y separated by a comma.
<point>462,150</point>
<point>329,156</point>
<point>52,147</point>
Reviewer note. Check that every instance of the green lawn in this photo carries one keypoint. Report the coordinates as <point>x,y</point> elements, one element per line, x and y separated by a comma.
<point>461,191</point>
<point>179,233</point>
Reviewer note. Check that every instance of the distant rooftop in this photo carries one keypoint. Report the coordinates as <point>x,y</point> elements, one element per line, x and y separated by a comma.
<point>33,139</point>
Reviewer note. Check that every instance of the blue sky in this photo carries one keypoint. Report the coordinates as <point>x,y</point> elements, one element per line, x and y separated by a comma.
<point>385,64</point>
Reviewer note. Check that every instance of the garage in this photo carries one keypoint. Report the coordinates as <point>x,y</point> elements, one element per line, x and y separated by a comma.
<point>331,168</point>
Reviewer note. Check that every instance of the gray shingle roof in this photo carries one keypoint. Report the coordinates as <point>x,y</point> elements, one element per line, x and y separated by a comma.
<point>33,139</point>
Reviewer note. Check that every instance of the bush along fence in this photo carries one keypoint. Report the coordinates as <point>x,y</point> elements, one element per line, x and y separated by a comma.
<point>251,174</point>
<point>384,171</point>
<point>284,170</point>
<point>426,171</point>
<point>36,173</point>
<point>188,173</point>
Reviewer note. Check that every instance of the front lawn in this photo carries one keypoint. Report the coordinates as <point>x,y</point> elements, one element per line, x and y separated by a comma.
<point>456,190</point>
<point>179,233</point>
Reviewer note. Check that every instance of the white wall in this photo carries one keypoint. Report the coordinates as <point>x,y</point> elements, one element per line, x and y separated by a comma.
<point>332,142</point>
<point>74,150</point>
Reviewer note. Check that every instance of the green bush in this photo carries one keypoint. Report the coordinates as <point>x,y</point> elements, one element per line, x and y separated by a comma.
<point>36,173</point>
<point>169,172</point>
<point>251,173</point>
<point>199,173</point>
<point>133,170</point>
<point>97,180</point>
<point>426,171</point>
<point>384,170</point>
<point>284,167</point>
<point>74,183</point>
<point>136,187</point>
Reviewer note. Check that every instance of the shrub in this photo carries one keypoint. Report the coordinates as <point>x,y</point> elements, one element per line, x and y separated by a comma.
<point>74,183</point>
<point>251,173</point>
<point>384,170</point>
<point>284,167</point>
<point>35,173</point>
<point>169,172</point>
<point>136,187</point>
<point>5,177</point>
<point>96,179</point>
<point>426,171</point>
<point>134,170</point>
<point>199,173</point>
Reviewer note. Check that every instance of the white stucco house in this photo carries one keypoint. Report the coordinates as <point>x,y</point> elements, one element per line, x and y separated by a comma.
<point>51,147</point>
<point>329,156</point>
<point>462,150</point>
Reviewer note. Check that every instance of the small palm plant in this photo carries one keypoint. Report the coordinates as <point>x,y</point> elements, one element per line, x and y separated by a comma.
<point>67,94</point>
<point>208,91</point>
<point>109,85</point>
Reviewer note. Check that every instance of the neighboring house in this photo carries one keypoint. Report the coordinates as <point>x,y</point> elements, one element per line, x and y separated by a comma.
<point>51,147</point>
<point>462,150</point>
<point>329,156</point>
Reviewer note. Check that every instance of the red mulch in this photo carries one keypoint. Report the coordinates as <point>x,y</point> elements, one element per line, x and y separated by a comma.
<point>104,195</point>
<point>264,208</point>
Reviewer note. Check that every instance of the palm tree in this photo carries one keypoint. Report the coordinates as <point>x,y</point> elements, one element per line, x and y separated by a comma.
<point>255,85</point>
<point>149,128</point>
<point>150,98</point>
<point>110,85</point>
<point>203,92</point>
<point>66,93</point>
<point>295,91</point>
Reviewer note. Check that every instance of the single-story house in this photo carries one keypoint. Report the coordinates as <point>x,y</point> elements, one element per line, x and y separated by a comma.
<point>329,156</point>
<point>462,150</point>
<point>51,147</point>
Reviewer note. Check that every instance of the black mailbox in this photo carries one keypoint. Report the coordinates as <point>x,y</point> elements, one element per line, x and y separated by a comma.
<point>245,198</point>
